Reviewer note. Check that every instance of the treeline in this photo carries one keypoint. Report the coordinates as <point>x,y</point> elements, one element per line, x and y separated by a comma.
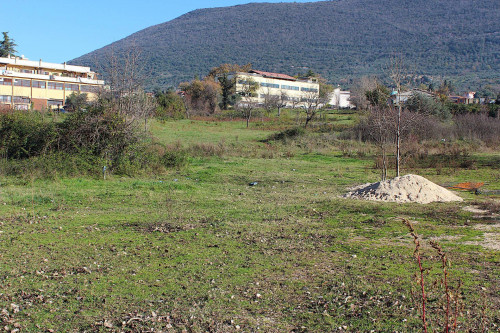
<point>404,129</point>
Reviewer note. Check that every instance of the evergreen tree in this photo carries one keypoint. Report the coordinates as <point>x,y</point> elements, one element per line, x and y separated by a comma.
<point>7,46</point>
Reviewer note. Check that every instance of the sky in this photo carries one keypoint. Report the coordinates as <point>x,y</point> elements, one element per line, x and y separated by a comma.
<point>58,31</point>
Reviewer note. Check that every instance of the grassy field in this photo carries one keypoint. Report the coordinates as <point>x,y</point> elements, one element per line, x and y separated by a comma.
<point>200,250</point>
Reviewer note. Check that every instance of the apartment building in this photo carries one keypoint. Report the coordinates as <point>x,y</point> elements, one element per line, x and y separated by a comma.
<point>291,91</point>
<point>26,84</point>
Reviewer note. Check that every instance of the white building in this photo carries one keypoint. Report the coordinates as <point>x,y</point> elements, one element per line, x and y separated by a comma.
<point>341,99</point>
<point>291,91</point>
<point>39,85</point>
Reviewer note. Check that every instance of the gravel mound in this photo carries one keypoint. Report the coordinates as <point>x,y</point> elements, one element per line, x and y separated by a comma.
<point>408,188</point>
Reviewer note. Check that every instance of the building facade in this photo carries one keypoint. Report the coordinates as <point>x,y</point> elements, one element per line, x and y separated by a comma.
<point>292,92</point>
<point>341,99</point>
<point>26,84</point>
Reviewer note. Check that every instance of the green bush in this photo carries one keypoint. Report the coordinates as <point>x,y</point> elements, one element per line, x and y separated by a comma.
<point>82,144</point>
<point>289,133</point>
<point>25,134</point>
<point>97,132</point>
<point>169,106</point>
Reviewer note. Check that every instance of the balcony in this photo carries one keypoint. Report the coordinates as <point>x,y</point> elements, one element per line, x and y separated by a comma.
<point>50,77</point>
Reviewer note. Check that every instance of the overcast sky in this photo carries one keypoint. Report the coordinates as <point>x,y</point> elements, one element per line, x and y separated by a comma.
<point>58,31</point>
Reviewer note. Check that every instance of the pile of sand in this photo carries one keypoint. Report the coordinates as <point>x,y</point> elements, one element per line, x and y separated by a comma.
<point>409,188</point>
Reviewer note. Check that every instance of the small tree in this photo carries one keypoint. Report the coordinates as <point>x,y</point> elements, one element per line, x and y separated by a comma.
<point>224,75</point>
<point>379,131</point>
<point>359,89</point>
<point>419,103</point>
<point>282,101</point>
<point>271,101</point>
<point>247,103</point>
<point>169,105</point>
<point>7,46</point>
<point>378,97</point>
<point>311,103</point>
<point>76,101</point>
<point>201,95</point>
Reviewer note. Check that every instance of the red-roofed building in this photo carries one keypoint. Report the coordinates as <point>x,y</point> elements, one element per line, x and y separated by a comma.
<point>274,75</point>
<point>291,91</point>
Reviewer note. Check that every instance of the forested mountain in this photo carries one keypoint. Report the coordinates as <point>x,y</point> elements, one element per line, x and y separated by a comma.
<point>341,39</point>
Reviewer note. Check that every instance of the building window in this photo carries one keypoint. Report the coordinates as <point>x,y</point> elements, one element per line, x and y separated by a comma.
<point>39,84</point>
<point>309,89</point>
<point>56,86</point>
<point>284,86</point>
<point>21,100</point>
<point>5,82</point>
<point>5,99</point>
<point>28,71</point>
<point>22,83</point>
<point>55,102</point>
<point>71,87</point>
<point>270,85</point>
<point>90,89</point>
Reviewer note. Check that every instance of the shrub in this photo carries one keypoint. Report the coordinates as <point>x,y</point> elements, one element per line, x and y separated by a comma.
<point>99,133</point>
<point>289,133</point>
<point>426,105</point>
<point>169,106</point>
<point>83,143</point>
<point>25,134</point>
<point>478,127</point>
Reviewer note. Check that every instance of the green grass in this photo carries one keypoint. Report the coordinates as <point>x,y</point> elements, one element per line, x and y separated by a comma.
<point>199,249</point>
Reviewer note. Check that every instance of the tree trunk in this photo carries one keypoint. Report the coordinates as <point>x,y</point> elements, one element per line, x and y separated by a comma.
<point>307,121</point>
<point>248,118</point>
<point>398,140</point>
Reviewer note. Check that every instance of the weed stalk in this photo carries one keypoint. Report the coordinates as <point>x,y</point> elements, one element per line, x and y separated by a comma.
<point>417,255</point>
<point>444,263</point>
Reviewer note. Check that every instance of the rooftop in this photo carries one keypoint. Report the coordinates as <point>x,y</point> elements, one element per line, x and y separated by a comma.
<point>273,75</point>
<point>40,64</point>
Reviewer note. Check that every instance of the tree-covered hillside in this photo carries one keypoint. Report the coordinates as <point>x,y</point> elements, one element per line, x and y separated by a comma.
<point>342,40</point>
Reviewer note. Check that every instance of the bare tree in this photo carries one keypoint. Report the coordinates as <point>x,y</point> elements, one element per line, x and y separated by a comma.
<point>381,133</point>
<point>311,103</point>
<point>398,71</point>
<point>271,101</point>
<point>143,106</point>
<point>282,101</point>
<point>126,77</point>
<point>248,103</point>
<point>314,101</point>
<point>359,89</point>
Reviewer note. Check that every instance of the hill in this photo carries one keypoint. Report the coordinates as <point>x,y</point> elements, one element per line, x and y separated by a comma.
<point>341,39</point>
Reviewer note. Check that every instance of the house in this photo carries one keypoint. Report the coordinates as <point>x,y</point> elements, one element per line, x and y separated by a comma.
<point>26,84</point>
<point>405,95</point>
<point>291,91</point>
<point>341,99</point>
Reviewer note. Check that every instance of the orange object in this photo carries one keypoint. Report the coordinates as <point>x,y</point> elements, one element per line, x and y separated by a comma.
<point>467,186</point>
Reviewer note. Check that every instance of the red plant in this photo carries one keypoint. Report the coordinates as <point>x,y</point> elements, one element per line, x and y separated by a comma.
<point>417,255</point>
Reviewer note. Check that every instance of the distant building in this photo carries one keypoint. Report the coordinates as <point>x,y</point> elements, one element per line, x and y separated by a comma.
<point>405,95</point>
<point>470,94</point>
<point>25,84</point>
<point>341,99</point>
<point>292,91</point>
<point>467,98</point>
